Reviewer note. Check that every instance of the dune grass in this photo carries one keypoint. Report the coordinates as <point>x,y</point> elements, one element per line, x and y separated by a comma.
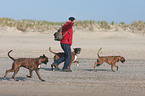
<point>90,25</point>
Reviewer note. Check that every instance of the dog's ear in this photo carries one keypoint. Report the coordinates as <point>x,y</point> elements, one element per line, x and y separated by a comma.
<point>118,60</point>
<point>43,55</point>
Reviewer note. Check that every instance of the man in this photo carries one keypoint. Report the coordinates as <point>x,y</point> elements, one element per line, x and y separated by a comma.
<point>66,43</point>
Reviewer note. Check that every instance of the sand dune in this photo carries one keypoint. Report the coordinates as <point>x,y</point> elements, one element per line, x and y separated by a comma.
<point>31,44</point>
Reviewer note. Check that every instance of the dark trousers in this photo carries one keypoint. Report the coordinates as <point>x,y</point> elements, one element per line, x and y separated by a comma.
<point>67,56</point>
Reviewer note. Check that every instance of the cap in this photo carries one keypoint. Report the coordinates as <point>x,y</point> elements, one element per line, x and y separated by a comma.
<point>71,18</point>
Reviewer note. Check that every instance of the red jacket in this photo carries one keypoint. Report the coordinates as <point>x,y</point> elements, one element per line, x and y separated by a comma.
<point>67,39</point>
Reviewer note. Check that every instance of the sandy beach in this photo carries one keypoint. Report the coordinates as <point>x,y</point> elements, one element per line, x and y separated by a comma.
<point>83,80</point>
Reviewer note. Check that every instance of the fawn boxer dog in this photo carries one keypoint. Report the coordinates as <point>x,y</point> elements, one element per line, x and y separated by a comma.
<point>60,54</point>
<point>111,60</point>
<point>29,63</point>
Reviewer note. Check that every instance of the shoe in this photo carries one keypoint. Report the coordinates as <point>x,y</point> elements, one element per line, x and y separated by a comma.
<point>67,70</point>
<point>56,66</point>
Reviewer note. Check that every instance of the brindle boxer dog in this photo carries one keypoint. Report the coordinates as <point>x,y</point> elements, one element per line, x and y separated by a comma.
<point>29,63</point>
<point>111,60</point>
<point>60,54</point>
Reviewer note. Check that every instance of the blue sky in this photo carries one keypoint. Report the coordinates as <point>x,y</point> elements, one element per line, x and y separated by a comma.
<point>59,10</point>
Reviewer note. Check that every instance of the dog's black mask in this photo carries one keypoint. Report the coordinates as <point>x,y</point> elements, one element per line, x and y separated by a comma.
<point>122,60</point>
<point>77,50</point>
<point>44,59</point>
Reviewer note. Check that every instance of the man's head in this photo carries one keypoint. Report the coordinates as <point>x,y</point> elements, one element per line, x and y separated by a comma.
<point>71,18</point>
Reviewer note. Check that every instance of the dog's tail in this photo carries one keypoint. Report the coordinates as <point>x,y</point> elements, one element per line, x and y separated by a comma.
<point>99,52</point>
<point>51,51</point>
<point>10,56</point>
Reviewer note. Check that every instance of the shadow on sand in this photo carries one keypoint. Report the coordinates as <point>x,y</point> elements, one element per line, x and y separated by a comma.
<point>47,69</point>
<point>98,70</point>
<point>10,78</point>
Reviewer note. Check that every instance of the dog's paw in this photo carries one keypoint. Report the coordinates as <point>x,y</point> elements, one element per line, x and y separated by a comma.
<point>16,80</point>
<point>113,71</point>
